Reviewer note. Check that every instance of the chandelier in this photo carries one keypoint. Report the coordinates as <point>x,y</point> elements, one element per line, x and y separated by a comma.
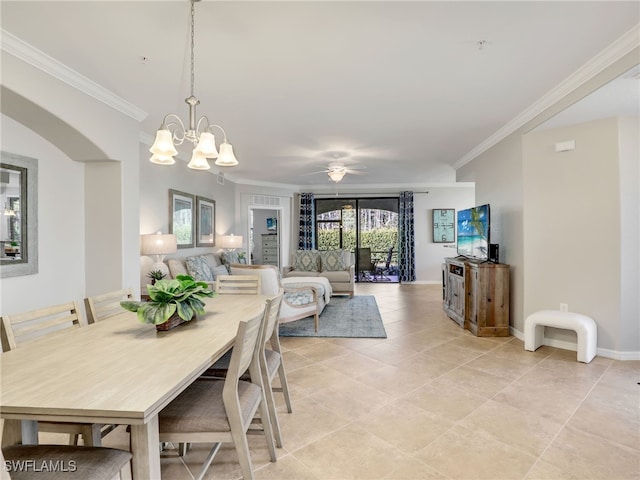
<point>173,132</point>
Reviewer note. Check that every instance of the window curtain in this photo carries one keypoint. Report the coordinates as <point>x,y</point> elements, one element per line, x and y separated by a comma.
<point>407,238</point>
<point>306,240</point>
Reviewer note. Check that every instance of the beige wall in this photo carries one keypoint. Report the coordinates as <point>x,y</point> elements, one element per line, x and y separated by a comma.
<point>497,174</point>
<point>629,336</point>
<point>572,225</point>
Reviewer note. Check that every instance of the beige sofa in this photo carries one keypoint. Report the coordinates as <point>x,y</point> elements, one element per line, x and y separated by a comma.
<point>337,266</point>
<point>193,265</point>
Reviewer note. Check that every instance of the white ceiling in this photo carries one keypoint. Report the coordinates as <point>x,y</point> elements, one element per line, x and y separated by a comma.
<point>399,89</point>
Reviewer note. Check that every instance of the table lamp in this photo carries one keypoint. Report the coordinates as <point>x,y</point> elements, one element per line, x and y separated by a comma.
<point>231,242</point>
<point>158,245</point>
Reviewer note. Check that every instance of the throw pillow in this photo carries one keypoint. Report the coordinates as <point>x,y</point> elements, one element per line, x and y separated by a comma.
<point>332,260</point>
<point>176,267</point>
<point>219,270</point>
<point>228,258</point>
<point>199,268</point>
<point>306,261</point>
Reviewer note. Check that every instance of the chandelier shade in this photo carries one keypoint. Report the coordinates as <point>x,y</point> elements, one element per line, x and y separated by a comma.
<point>226,157</point>
<point>173,131</point>
<point>198,162</point>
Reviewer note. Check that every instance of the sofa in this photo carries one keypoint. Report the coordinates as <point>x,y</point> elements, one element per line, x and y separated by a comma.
<point>337,266</point>
<point>204,267</point>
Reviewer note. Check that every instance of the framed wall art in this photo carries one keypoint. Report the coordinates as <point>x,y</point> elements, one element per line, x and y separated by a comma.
<point>444,222</point>
<point>181,218</point>
<point>205,222</point>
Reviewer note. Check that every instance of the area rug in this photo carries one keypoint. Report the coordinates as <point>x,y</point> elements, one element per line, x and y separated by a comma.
<point>356,317</point>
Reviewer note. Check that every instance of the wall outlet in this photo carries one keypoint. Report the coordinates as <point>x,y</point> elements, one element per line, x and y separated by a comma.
<point>564,307</point>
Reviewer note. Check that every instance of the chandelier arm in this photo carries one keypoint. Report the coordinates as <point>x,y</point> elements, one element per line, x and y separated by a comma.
<point>178,132</point>
<point>224,134</point>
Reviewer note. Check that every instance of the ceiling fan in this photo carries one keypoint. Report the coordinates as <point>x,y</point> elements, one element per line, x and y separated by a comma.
<point>337,171</point>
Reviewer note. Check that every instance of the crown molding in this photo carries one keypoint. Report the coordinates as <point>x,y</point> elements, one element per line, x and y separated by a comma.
<point>49,65</point>
<point>596,65</point>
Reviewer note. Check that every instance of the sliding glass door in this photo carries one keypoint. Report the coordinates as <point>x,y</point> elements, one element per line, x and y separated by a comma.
<point>368,227</point>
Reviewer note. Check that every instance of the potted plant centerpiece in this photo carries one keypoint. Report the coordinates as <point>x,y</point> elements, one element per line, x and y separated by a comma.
<point>171,303</point>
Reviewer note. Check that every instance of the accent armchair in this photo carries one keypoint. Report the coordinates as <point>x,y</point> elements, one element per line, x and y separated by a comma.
<point>297,302</point>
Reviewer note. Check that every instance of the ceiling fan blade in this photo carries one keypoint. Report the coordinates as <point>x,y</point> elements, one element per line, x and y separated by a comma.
<point>315,173</point>
<point>355,172</point>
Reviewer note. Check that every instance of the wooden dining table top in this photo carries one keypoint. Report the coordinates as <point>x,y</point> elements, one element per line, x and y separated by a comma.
<point>119,370</point>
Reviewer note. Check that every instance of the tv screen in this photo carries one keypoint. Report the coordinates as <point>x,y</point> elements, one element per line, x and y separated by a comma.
<point>473,232</point>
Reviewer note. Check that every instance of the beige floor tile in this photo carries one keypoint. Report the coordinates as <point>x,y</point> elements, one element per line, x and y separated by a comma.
<point>353,363</point>
<point>473,381</point>
<point>395,381</point>
<point>350,453</point>
<point>293,360</point>
<point>407,427</point>
<point>472,342</point>
<point>387,353</point>
<point>351,399</point>
<point>309,421</point>
<point>412,469</point>
<point>513,426</point>
<point>617,420</point>
<point>591,457</point>
<point>307,380</point>
<point>541,400</point>
<point>286,468</point>
<point>446,401</point>
<point>322,351</point>
<point>452,354</point>
<point>462,453</point>
<point>545,471</point>
<point>510,369</point>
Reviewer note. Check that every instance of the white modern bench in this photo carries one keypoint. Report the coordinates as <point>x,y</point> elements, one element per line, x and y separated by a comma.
<point>584,326</point>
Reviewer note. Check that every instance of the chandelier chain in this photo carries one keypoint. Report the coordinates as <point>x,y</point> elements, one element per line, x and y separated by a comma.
<point>193,57</point>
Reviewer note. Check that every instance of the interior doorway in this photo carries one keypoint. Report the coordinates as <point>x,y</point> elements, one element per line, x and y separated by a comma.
<point>264,236</point>
<point>368,227</point>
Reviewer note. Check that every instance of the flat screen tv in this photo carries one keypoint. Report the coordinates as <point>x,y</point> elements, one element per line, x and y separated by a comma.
<point>473,232</point>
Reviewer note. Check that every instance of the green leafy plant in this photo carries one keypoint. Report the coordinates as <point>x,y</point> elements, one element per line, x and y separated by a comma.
<point>182,295</point>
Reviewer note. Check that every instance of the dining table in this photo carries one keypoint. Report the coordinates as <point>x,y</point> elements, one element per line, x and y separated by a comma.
<point>118,371</point>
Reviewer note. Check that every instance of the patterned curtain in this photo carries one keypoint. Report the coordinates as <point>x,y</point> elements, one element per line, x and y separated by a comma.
<point>307,222</point>
<point>407,243</point>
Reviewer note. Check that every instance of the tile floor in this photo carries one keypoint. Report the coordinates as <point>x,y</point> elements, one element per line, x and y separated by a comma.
<point>434,402</point>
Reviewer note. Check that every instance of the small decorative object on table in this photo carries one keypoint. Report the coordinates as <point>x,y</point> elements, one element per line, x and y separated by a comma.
<point>171,303</point>
<point>155,275</point>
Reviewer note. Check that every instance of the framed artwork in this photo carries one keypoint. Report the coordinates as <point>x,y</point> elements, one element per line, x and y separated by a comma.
<point>444,229</point>
<point>205,222</point>
<point>181,218</point>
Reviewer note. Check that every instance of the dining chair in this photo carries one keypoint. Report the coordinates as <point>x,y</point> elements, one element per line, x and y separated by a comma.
<point>24,327</point>
<point>222,411</point>
<point>102,307</point>
<point>238,284</point>
<point>64,462</point>
<point>106,305</point>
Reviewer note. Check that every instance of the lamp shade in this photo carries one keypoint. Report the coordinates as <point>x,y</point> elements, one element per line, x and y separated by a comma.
<point>158,244</point>
<point>231,241</point>
<point>207,145</point>
<point>198,162</point>
<point>226,157</point>
<point>162,159</point>
<point>163,144</point>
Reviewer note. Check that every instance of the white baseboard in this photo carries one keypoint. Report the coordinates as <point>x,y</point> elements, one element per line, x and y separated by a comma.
<point>602,352</point>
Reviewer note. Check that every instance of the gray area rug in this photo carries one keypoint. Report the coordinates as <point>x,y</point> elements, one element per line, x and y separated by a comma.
<point>356,317</point>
